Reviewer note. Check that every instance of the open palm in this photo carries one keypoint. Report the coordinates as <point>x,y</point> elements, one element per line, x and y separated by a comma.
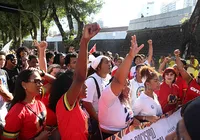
<point>134,49</point>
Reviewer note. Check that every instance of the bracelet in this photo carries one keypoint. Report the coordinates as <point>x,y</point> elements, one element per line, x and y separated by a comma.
<point>42,74</point>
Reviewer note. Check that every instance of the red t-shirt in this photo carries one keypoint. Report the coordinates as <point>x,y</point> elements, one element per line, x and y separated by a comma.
<point>72,121</point>
<point>22,123</point>
<point>51,116</point>
<point>168,96</point>
<point>193,91</point>
<point>182,84</point>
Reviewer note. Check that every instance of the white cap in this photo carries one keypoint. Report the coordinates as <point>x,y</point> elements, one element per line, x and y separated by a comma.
<point>97,60</point>
<point>91,58</point>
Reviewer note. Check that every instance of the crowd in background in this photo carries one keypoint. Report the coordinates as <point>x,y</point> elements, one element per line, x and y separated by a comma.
<point>79,95</point>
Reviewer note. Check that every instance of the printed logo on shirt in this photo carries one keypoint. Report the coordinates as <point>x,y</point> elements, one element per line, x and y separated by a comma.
<point>195,90</point>
<point>172,99</point>
<point>139,91</point>
<point>3,79</point>
<point>152,107</point>
<point>129,117</point>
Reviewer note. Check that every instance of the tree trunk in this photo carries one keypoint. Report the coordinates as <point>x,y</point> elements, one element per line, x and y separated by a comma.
<point>43,15</point>
<point>31,19</point>
<point>70,23</point>
<point>80,29</point>
<point>56,20</point>
<point>69,17</point>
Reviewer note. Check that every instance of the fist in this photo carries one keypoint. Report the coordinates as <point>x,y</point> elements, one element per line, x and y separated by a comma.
<point>150,42</point>
<point>177,52</point>
<point>43,45</point>
<point>90,30</point>
<point>166,59</point>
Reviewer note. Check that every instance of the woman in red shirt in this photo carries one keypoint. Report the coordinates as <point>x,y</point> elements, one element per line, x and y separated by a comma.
<point>67,92</point>
<point>27,116</point>
<point>168,95</point>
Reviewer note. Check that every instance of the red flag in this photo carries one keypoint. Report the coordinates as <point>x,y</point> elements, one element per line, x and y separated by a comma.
<point>93,49</point>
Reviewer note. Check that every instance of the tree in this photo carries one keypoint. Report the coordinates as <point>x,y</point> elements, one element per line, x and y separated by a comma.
<point>189,31</point>
<point>74,9</point>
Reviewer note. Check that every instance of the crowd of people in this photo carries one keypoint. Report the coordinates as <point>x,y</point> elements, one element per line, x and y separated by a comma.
<point>79,96</point>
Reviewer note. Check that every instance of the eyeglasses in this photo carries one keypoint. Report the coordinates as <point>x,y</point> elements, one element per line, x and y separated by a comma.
<point>36,81</point>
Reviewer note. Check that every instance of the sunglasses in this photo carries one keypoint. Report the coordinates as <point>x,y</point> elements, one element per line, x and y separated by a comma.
<point>36,81</point>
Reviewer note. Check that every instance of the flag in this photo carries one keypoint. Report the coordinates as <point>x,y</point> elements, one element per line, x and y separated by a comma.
<point>6,48</point>
<point>93,49</point>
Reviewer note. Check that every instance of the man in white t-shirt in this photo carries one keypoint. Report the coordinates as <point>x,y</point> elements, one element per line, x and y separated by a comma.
<point>136,85</point>
<point>5,95</point>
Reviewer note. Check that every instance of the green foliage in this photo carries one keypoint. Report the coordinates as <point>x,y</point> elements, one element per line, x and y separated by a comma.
<point>35,10</point>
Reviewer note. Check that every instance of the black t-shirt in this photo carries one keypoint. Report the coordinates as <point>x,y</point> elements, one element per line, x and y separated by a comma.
<point>12,76</point>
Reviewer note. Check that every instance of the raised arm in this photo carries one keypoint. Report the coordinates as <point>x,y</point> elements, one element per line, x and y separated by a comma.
<point>150,56</point>
<point>163,65</point>
<point>80,73</point>
<point>42,54</point>
<point>121,75</point>
<point>186,76</point>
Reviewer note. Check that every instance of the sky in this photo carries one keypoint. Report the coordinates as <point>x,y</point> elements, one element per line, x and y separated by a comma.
<point>116,13</point>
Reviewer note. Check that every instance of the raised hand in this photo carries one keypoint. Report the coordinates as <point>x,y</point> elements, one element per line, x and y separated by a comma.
<point>90,30</point>
<point>134,49</point>
<point>150,42</point>
<point>166,59</point>
<point>41,46</point>
<point>177,52</point>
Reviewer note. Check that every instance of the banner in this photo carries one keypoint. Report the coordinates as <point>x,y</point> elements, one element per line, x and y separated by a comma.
<point>156,131</point>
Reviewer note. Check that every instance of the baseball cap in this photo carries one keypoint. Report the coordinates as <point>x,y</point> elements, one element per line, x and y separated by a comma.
<point>97,60</point>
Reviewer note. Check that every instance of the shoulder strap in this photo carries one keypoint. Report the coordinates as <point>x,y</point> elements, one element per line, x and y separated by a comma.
<point>97,86</point>
<point>41,120</point>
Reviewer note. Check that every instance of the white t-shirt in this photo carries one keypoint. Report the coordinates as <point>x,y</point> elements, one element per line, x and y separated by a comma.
<point>147,106</point>
<point>3,104</point>
<point>92,95</point>
<point>133,69</point>
<point>135,90</point>
<point>113,115</point>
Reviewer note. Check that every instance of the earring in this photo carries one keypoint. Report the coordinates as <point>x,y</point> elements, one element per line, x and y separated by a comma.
<point>24,88</point>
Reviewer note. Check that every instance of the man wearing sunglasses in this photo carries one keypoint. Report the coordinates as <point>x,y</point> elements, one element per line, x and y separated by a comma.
<point>12,70</point>
<point>193,90</point>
